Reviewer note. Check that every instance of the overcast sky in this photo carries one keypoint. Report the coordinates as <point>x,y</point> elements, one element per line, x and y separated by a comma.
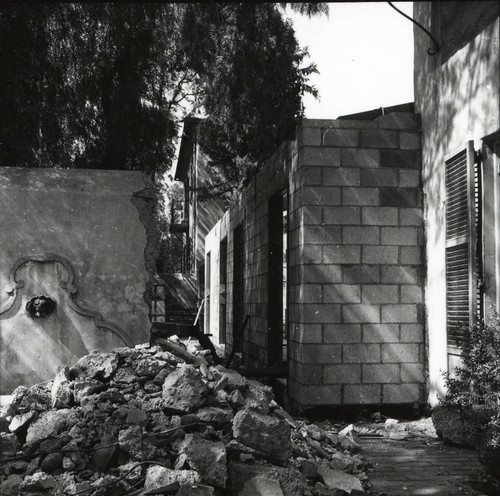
<point>364,52</point>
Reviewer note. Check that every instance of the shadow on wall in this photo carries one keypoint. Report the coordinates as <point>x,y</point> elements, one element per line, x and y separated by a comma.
<point>457,95</point>
<point>32,347</point>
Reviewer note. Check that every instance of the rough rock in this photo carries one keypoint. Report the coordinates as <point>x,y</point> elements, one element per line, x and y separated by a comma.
<point>460,426</point>
<point>230,380</point>
<point>96,366</point>
<point>160,377</point>
<point>390,423</point>
<point>86,387</point>
<point>20,423</point>
<point>61,391</point>
<point>258,397</point>
<point>339,461</point>
<point>51,424</point>
<point>36,398</point>
<point>215,415</point>
<point>9,444</point>
<point>10,486</point>
<point>204,426</point>
<point>195,490</point>
<point>264,433</point>
<point>265,480</point>
<point>336,479</point>
<point>157,476</point>
<point>38,482</point>
<point>309,468</point>
<point>52,462</point>
<point>208,458</point>
<point>184,390</point>
<point>124,375</point>
<point>348,443</point>
<point>148,367</point>
<point>103,457</point>
<point>131,441</point>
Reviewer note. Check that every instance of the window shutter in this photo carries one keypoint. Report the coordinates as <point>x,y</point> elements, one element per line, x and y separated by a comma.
<point>463,184</point>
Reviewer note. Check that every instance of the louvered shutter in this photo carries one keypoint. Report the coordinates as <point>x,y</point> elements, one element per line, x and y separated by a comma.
<point>462,219</point>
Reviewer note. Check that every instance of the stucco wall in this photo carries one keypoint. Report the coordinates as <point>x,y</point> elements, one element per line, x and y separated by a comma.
<point>457,93</point>
<point>86,237</point>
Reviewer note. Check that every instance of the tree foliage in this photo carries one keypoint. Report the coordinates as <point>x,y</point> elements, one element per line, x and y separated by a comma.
<point>250,66</point>
<point>102,85</point>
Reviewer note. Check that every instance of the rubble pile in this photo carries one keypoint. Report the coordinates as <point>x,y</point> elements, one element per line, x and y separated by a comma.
<point>163,419</point>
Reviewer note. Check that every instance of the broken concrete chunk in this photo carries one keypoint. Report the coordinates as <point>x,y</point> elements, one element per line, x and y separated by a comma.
<point>236,399</point>
<point>229,380</point>
<point>184,390</point>
<point>258,397</point>
<point>9,445</point>
<point>135,416</point>
<point>195,490</point>
<point>261,485</point>
<point>168,357</point>
<point>124,375</point>
<point>336,479</point>
<point>50,424</point>
<point>157,476</point>
<point>253,480</point>
<point>36,398</point>
<point>285,481</point>
<point>10,486</point>
<point>347,430</point>
<point>309,468</point>
<point>339,461</point>
<point>397,436</point>
<point>390,423</point>
<point>348,443</point>
<point>39,481</point>
<point>208,458</point>
<point>148,367</point>
<point>103,456</point>
<point>264,433</point>
<point>86,387</point>
<point>161,376</point>
<point>61,391</point>
<point>218,416</point>
<point>132,441</point>
<point>95,366</point>
<point>315,432</point>
<point>52,462</point>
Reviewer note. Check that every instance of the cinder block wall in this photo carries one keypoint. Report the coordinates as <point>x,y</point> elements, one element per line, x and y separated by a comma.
<point>280,172</point>
<point>355,262</point>
<point>357,335</point>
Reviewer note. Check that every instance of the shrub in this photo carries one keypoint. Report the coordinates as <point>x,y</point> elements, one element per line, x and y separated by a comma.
<point>477,382</point>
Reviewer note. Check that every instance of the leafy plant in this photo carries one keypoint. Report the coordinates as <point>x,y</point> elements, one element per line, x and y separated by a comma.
<point>477,382</point>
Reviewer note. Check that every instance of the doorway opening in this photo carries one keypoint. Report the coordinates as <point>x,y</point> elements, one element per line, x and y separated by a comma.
<point>277,281</point>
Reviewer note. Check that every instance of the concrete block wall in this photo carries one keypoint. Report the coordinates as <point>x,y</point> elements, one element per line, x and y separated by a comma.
<point>357,333</point>
<point>252,213</point>
<point>355,262</point>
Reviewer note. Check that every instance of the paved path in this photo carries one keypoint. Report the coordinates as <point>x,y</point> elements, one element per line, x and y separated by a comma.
<point>419,466</point>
